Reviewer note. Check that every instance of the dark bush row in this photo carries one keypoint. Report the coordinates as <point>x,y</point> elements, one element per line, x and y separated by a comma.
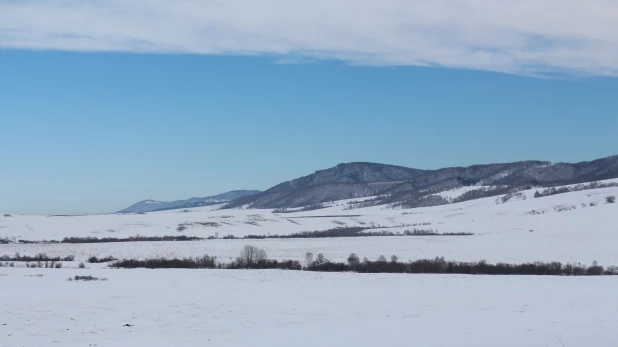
<point>335,232</point>
<point>250,258</point>
<point>441,266</point>
<point>431,232</point>
<point>205,262</point>
<point>137,238</point>
<point>91,239</point>
<point>94,259</point>
<point>346,232</point>
<point>39,264</point>
<point>85,278</point>
<point>210,263</point>
<point>381,265</point>
<point>44,242</point>
<point>38,257</point>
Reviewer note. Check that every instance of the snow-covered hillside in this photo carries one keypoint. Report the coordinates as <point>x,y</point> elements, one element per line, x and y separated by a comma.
<point>576,226</point>
<point>282,308</point>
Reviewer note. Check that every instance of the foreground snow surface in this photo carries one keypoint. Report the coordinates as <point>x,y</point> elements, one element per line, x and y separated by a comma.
<point>286,308</point>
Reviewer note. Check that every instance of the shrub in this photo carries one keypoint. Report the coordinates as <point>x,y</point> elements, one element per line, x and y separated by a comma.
<point>86,278</point>
<point>82,265</point>
<point>610,199</point>
<point>94,259</point>
<point>266,264</point>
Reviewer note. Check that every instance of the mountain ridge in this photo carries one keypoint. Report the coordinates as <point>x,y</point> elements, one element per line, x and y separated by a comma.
<point>408,186</point>
<point>150,205</point>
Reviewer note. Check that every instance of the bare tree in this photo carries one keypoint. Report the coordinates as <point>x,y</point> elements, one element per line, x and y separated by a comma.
<point>250,255</point>
<point>382,258</point>
<point>353,260</point>
<point>394,258</point>
<point>309,258</point>
<point>320,259</point>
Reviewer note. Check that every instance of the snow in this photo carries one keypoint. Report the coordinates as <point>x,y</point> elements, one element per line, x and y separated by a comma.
<point>279,308</point>
<point>563,227</point>
<point>455,193</point>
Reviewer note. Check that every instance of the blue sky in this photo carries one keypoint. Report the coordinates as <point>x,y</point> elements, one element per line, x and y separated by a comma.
<point>104,103</point>
<point>93,132</point>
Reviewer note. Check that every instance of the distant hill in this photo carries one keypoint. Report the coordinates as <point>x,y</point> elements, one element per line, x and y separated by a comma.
<point>153,205</point>
<point>416,188</point>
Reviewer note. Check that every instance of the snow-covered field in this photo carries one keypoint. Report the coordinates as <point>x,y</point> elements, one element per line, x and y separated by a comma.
<point>562,227</point>
<point>280,308</point>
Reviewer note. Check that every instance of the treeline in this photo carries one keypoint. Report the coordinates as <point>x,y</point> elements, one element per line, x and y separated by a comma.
<point>250,257</point>
<point>38,257</point>
<point>335,232</point>
<point>347,232</point>
<point>356,204</point>
<point>313,207</point>
<point>441,266</point>
<point>430,232</point>
<point>95,260</point>
<point>254,258</point>
<point>205,263</point>
<point>138,238</point>
<point>576,188</point>
<point>486,193</point>
<point>424,201</point>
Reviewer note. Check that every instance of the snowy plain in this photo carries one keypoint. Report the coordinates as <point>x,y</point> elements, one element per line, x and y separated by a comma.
<point>283,308</point>
<point>289,308</point>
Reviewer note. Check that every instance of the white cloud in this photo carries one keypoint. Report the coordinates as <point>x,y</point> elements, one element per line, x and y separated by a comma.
<point>533,37</point>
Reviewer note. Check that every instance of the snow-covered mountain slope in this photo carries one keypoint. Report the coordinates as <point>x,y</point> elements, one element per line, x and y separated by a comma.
<point>575,226</point>
<point>409,187</point>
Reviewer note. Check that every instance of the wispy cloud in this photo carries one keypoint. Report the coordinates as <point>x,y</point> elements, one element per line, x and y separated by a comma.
<point>532,37</point>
